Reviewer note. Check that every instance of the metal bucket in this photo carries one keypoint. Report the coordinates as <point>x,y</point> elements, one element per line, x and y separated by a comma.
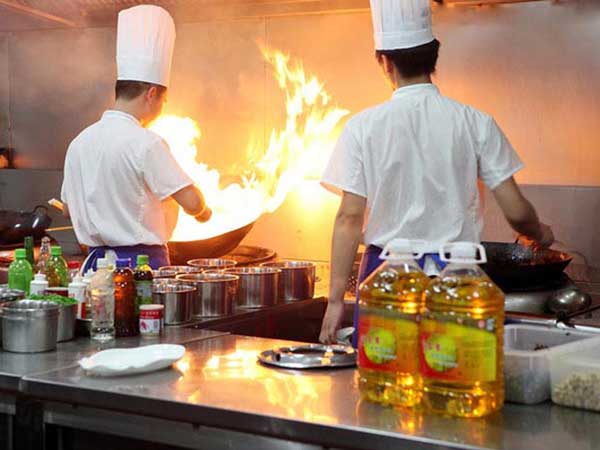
<point>296,281</point>
<point>29,326</point>
<point>215,294</point>
<point>258,286</point>
<point>180,269</point>
<point>213,264</point>
<point>178,299</point>
<point>67,315</point>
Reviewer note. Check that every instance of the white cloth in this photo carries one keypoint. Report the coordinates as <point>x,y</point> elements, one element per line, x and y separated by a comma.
<point>400,24</point>
<point>145,42</point>
<point>416,159</point>
<point>118,181</point>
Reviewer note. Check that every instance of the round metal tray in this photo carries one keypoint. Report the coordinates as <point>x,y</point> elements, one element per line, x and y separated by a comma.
<point>310,356</point>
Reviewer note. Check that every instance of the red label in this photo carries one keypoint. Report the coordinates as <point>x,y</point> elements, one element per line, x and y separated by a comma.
<point>150,314</point>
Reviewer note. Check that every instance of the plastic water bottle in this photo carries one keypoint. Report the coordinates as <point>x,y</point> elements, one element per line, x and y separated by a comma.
<point>102,290</point>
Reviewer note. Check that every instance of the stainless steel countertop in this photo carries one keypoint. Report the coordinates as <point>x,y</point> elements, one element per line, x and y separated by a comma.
<point>219,383</point>
<point>13,366</point>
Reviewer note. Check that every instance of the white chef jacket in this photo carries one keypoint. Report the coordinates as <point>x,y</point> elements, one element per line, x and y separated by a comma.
<point>118,180</point>
<point>416,159</point>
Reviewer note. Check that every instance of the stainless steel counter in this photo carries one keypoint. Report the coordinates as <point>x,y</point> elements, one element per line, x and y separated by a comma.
<point>219,384</point>
<point>13,366</point>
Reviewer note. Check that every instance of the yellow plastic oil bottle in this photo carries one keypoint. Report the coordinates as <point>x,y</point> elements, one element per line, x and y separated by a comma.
<point>461,337</point>
<point>390,301</point>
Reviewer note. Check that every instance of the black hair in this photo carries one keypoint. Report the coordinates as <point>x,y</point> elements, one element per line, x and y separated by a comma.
<point>128,90</point>
<point>413,62</point>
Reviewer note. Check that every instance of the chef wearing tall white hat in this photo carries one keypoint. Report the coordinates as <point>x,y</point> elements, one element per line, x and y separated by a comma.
<point>409,168</point>
<point>121,184</point>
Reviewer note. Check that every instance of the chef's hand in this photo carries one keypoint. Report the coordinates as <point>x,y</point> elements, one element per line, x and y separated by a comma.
<point>546,238</point>
<point>332,322</point>
<point>204,216</point>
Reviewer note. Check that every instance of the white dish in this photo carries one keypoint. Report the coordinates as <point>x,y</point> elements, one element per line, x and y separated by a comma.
<point>129,361</point>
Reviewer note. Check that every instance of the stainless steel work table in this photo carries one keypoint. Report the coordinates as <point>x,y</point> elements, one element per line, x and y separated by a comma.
<point>218,396</point>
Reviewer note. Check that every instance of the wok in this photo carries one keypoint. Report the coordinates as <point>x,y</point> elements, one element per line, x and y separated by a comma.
<point>182,251</point>
<point>16,225</point>
<point>511,266</point>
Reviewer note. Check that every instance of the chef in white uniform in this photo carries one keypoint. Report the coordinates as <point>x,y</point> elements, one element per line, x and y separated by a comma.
<point>122,186</point>
<point>409,167</point>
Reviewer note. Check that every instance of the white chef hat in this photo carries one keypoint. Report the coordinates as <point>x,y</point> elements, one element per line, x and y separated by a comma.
<point>400,24</point>
<point>145,42</point>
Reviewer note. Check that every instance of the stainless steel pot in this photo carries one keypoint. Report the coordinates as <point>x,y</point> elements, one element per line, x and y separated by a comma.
<point>164,274</point>
<point>178,299</point>
<point>296,281</point>
<point>67,315</point>
<point>215,294</point>
<point>8,295</point>
<point>212,263</point>
<point>258,286</point>
<point>180,269</point>
<point>29,326</point>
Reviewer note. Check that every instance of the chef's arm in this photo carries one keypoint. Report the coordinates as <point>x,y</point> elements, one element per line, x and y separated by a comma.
<point>65,210</point>
<point>521,214</point>
<point>192,201</point>
<point>347,234</point>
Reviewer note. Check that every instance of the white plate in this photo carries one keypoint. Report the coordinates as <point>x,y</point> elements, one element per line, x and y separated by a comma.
<point>129,361</point>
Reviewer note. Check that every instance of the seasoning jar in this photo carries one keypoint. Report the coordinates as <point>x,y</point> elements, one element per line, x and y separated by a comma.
<point>151,320</point>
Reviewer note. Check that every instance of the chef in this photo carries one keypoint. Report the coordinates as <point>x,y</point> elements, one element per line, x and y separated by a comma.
<point>122,186</point>
<point>409,167</point>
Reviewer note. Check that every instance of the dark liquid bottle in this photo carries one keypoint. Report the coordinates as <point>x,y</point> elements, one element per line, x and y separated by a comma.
<point>143,284</point>
<point>125,317</point>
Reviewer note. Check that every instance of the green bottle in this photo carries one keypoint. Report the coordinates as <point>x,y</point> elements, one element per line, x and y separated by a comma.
<point>29,250</point>
<point>143,282</point>
<point>20,272</point>
<point>57,273</point>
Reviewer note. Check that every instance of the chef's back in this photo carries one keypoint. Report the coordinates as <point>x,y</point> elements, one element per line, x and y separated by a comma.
<point>416,159</point>
<point>118,181</point>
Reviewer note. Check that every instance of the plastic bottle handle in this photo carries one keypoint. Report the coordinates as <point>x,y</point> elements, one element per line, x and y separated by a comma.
<point>388,251</point>
<point>446,248</point>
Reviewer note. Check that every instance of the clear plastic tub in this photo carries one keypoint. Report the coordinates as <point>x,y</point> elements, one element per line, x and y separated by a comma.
<point>575,376</point>
<point>527,349</point>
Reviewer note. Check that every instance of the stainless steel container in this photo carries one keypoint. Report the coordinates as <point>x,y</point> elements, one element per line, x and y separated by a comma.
<point>8,295</point>
<point>178,299</point>
<point>212,263</point>
<point>215,293</point>
<point>67,315</point>
<point>29,326</point>
<point>296,281</point>
<point>180,269</point>
<point>164,274</point>
<point>258,286</point>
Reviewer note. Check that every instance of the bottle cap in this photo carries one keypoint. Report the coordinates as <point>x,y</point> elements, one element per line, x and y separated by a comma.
<point>123,262</point>
<point>402,249</point>
<point>56,250</point>
<point>20,253</point>
<point>77,279</point>
<point>142,260</point>
<point>39,277</point>
<point>102,263</point>
<point>463,252</point>
<point>73,265</point>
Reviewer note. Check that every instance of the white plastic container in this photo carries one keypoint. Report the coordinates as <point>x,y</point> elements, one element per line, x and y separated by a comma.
<point>527,349</point>
<point>38,285</point>
<point>575,376</point>
<point>77,290</point>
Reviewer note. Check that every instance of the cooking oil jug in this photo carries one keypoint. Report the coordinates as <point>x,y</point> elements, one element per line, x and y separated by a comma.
<point>390,301</point>
<point>461,337</point>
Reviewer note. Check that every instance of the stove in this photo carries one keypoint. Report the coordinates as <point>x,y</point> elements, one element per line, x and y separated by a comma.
<point>532,299</point>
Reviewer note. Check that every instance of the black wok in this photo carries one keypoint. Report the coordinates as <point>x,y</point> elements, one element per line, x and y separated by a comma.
<point>182,251</point>
<point>16,225</point>
<point>511,266</point>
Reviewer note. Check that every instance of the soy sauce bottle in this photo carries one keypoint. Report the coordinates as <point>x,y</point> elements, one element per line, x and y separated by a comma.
<point>125,294</point>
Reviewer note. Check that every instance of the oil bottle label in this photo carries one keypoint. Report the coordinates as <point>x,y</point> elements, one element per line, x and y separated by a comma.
<point>458,352</point>
<point>387,341</point>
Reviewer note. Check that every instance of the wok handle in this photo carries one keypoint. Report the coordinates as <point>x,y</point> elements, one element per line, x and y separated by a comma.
<point>57,204</point>
<point>40,207</point>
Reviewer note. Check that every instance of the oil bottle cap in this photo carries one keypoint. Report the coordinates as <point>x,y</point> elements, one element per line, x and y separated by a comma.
<point>463,252</point>
<point>102,263</point>
<point>123,262</point>
<point>402,249</point>
<point>56,250</point>
<point>142,260</point>
<point>20,253</point>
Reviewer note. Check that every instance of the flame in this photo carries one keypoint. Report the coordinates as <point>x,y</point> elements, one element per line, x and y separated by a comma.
<point>295,153</point>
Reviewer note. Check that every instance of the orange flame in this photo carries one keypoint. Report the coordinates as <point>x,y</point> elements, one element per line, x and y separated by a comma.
<point>295,153</point>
